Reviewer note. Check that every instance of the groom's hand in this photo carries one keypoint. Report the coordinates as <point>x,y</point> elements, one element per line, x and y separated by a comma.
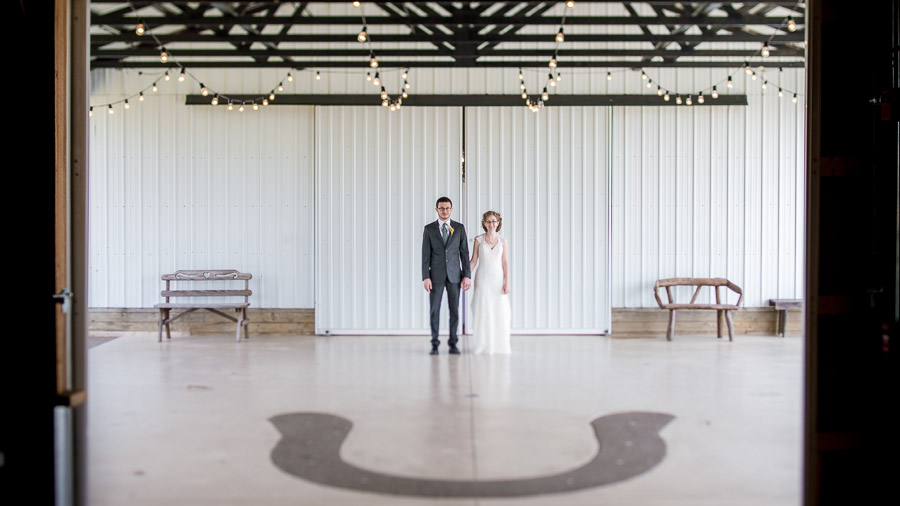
<point>427,283</point>
<point>466,284</point>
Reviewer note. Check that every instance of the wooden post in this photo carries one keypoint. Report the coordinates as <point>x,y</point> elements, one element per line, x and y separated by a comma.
<point>730,321</point>
<point>671,332</point>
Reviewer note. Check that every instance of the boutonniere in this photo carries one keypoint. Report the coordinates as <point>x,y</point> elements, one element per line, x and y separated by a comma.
<point>451,230</point>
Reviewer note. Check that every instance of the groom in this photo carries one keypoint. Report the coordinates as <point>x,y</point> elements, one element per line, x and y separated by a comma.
<point>445,264</point>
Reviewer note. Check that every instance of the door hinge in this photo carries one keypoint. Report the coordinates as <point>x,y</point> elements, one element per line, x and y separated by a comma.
<point>64,297</point>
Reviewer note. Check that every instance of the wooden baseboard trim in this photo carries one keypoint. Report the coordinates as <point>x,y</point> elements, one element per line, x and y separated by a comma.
<point>262,321</point>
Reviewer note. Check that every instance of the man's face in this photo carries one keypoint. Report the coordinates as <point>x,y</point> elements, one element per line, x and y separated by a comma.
<point>443,209</point>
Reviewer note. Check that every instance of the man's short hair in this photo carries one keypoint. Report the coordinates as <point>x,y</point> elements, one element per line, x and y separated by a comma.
<point>443,199</point>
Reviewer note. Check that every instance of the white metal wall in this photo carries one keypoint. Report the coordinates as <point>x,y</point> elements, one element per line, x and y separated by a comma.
<point>547,174</point>
<point>176,187</point>
<point>378,176</point>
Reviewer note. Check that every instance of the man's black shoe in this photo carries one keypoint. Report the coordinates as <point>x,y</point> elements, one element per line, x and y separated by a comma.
<point>454,350</point>
<point>434,350</point>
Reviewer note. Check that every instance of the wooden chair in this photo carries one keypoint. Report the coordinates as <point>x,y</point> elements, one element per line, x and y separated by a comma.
<point>720,308</point>
<point>216,307</point>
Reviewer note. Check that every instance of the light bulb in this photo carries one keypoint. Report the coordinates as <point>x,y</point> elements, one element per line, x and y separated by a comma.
<point>377,80</point>
<point>609,76</point>
<point>560,38</point>
<point>747,68</point>
<point>215,100</point>
<point>666,96</point>
<point>241,108</point>
<point>791,25</point>
<point>404,75</point>
<point>552,83</point>
<point>373,63</point>
<point>688,101</point>
<point>154,88</point>
<point>318,76</point>
<point>383,93</point>
<point>521,86</point>
<point>405,94</point>
<point>659,91</point>
<point>570,4</point>
<point>203,90</point>
<point>700,98</point>
<point>230,106</point>
<point>729,84</point>
<point>715,92</point>
<point>384,103</point>
<point>552,63</point>
<point>521,75</point>
<point>109,109</point>
<point>163,56</point>
<point>280,87</point>
<point>643,75</point>
<point>255,106</point>
<point>272,95</point>
<point>368,76</point>
<point>765,84</point>
<point>265,101</point>
<point>141,97</point>
<point>753,76</point>
<point>765,50</point>
<point>166,76</point>
<point>780,92</point>
<point>649,83</point>
<point>127,106</point>
<point>393,107</point>
<point>678,99</point>
<point>291,78</point>
<point>181,76</point>
<point>406,84</point>
<point>90,112</point>
<point>558,77</point>
<point>363,36</point>
<point>140,29</point>
<point>794,100</point>
<point>545,95</point>
<point>356,4</point>
<point>524,95</point>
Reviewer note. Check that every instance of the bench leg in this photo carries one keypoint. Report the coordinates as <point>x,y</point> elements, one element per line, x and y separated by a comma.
<point>782,321</point>
<point>719,323</point>
<point>162,313</point>
<point>240,324</point>
<point>168,330</point>
<point>246,324</point>
<point>670,333</point>
<point>730,320</point>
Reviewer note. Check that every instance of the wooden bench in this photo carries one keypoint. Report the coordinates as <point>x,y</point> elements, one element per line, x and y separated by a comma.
<point>216,307</point>
<point>720,308</point>
<point>782,305</point>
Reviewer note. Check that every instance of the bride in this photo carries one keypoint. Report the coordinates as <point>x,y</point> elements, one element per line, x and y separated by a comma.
<point>490,302</point>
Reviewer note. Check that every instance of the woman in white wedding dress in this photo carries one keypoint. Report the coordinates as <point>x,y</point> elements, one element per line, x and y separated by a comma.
<point>490,302</point>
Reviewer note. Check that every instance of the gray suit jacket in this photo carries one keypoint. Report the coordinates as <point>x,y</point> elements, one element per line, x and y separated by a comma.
<point>440,262</point>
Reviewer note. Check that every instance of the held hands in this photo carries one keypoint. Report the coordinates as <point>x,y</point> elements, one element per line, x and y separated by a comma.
<point>466,284</point>
<point>506,287</point>
<point>427,283</point>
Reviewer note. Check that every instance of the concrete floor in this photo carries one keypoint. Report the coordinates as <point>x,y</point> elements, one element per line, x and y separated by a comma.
<point>188,421</point>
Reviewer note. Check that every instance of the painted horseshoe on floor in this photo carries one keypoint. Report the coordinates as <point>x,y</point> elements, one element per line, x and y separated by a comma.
<point>310,449</point>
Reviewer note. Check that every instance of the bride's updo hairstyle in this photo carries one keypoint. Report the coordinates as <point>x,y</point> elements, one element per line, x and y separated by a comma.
<point>487,215</point>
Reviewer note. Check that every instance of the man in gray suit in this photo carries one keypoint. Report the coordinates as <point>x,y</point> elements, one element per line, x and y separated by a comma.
<point>445,264</point>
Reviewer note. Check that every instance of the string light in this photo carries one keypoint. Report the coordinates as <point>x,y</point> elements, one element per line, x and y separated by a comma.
<point>384,103</point>
<point>560,37</point>
<point>552,81</point>
<point>384,94</point>
<point>373,63</point>
<point>280,87</point>
<point>363,36</point>
<point>753,76</point>
<point>780,92</point>
<point>521,75</point>
<point>109,109</point>
<point>181,76</point>
<point>715,92</point>
<point>405,94</point>
<point>203,90</point>
<point>265,101</point>
<point>318,76</point>
<point>649,83</point>
<point>356,4</point>
<point>688,101</point>
<point>230,106</point>
<point>644,75</point>
<point>215,100</point>
<point>558,77</point>
<point>666,96</point>
<point>155,89</point>
<point>377,80</point>
<point>241,108</point>
<point>794,100</point>
<point>522,85</point>
<point>405,74</point>
<point>545,95</point>
<point>291,78</point>
<point>166,76</point>
<point>765,84</point>
<point>368,76</point>
<point>729,84</point>
<point>163,55</point>
<point>765,50</point>
<point>393,106</point>
<point>552,63</point>
<point>700,98</point>
<point>791,25</point>
<point>609,76</point>
<point>255,106</point>
<point>406,84</point>
<point>272,95</point>
<point>747,68</point>
<point>570,4</point>
<point>90,111</point>
<point>141,97</point>
<point>678,99</point>
<point>140,29</point>
<point>127,106</point>
<point>659,91</point>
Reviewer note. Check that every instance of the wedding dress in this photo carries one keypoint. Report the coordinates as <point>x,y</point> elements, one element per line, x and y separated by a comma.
<point>490,306</point>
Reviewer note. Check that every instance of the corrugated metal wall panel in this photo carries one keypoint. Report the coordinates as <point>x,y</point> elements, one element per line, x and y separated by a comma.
<point>547,175</point>
<point>378,176</point>
<point>178,187</point>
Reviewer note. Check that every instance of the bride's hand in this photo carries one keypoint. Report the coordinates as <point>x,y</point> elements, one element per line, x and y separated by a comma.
<point>506,288</point>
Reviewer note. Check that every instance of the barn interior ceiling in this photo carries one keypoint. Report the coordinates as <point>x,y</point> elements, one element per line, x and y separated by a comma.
<point>303,35</point>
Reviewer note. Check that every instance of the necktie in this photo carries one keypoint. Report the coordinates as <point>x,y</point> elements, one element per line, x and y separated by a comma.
<point>444,233</point>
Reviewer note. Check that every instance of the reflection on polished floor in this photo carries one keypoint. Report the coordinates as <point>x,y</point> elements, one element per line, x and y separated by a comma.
<point>197,420</point>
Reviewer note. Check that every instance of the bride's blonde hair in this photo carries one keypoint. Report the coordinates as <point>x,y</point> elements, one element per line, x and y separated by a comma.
<point>487,215</point>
